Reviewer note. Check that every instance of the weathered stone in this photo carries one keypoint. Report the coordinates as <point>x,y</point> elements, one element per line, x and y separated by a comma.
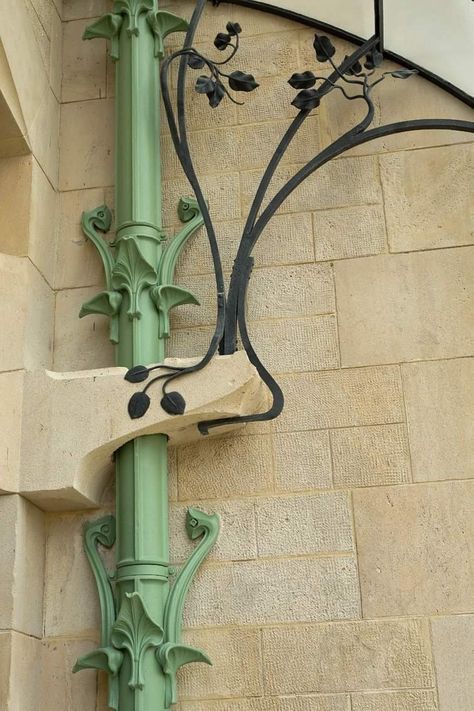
<point>347,656</point>
<point>415,548</point>
<point>84,64</point>
<point>345,398</point>
<point>11,396</point>
<point>269,591</point>
<point>75,692</point>
<point>43,231</point>
<point>370,456</point>
<point>454,659</point>
<point>230,467</point>
<point>302,525</point>
<point>76,9</point>
<point>349,232</point>
<point>396,701</point>
<point>302,460</point>
<point>15,188</point>
<point>440,401</point>
<point>423,213</point>
<point>405,307</point>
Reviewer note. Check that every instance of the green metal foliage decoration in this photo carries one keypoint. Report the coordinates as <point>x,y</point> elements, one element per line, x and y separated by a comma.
<point>133,631</point>
<point>128,272</point>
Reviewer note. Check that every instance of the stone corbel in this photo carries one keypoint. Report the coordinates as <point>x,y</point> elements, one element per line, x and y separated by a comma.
<point>74,422</point>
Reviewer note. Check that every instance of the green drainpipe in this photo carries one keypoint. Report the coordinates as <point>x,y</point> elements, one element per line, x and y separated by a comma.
<point>140,645</point>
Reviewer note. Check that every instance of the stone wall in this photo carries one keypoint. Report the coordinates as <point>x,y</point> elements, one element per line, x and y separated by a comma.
<point>342,580</point>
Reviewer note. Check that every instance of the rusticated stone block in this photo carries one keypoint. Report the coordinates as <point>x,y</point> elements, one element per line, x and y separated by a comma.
<point>269,591</point>
<point>236,673</point>
<point>363,396</point>
<point>230,467</point>
<point>405,307</point>
<point>423,213</point>
<point>440,401</point>
<point>370,456</point>
<point>345,656</point>
<point>415,549</point>
<point>454,660</point>
<point>396,701</point>
<point>61,469</point>
<point>302,525</point>
<point>222,193</point>
<point>302,460</point>
<point>349,232</point>
<point>274,703</point>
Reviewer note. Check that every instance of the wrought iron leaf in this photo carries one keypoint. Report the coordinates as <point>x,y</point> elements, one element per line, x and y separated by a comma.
<point>324,48</point>
<point>373,59</point>
<point>137,374</point>
<point>204,85</point>
<point>138,405</point>
<point>195,62</point>
<point>173,403</point>
<point>216,95</point>
<point>233,28</point>
<point>307,100</point>
<point>222,41</point>
<point>305,80</point>
<point>355,68</point>
<point>240,81</point>
<point>403,73</point>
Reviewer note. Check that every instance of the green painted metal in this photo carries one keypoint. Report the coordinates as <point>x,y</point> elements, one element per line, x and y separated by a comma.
<point>141,647</point>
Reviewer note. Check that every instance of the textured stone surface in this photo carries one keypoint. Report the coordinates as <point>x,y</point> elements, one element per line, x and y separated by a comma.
<point>345,398</point>
<point>22,560</point>
<point>370,456</point>
<point>383,655</point>
<point>302,460</point>
<point>349,232</point>
<point>25,673</point>
<point>236,673</point>
<point>315,338</point>
<point>440,402</point>
<point>87,139</point>
<point>222,193</point>
<point>269,591</point>
<point>74,9</point>
<point>227,467</point>
<point>15,187</point>
<point>84,64</point>
<point>60,688</point>
<point>274,703</point>
<point>396,701</point>
<point>405,307</point>
<point>304,524</point>
<point>423,213</point>
<point>43,223</point>
<point>11,395</point>
<point>415,547</point>
<point>453,647</point>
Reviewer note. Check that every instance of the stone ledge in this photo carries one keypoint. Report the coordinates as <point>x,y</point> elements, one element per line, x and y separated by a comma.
<point>74,422</point>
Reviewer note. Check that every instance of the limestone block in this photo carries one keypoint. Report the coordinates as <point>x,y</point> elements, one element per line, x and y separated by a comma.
<point>222,193</point>
<point>396,701</point>
<point>247,147</point>
<point>272,100</point>
<point>44,135</point>
<point>274,703</point>
<point>237,672</point>
<point>204,289</point>
<point>453,649</point>
<point>77,9</point>
<point>11,396</point>
<point>423,213</point>
<point>64,465</point>
<point>15,188</point>
<point>20,672</point>
<point>84,64</point>
<point>349,232</point>
<point>80,344</point>
<point>274,591</point>
<point>39,322</point>
<point>337,657</point>
<point>22,562</point>
<point>186,342</point>
<point>60,688</point>
<point>5,663</point>
<point>291,292</point>
<point>304,525</point>
<point>225,468</point>
<point>313,703</point>
<point>237,537</point>
<point>87,139</point>
<point>43,223</point>
<point>56,53</point>
<point>356,179</point>
<point>440,401</point>
<point>405,307</point>
<point>77,261</point>
<point>363,396</point>
<point>315,339</point>
<point>288,239</point>
<point>370,456</point>
<point>302,460</point>
<point>415,547</point>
